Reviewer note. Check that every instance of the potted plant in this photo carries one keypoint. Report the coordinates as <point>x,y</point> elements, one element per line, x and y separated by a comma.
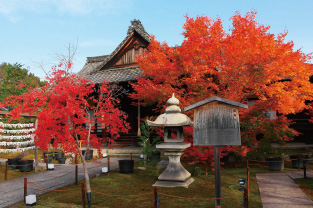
<point>13,163</point>
<point>61,160</point>
<point>275,159</point>
<point>26,165</point>
<point>58,155</point>
<point>299,156</point>
<point>126,166</point>
<point>275,163</point>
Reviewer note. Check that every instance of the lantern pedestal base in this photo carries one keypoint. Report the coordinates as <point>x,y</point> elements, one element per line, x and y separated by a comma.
<point>184,184</point>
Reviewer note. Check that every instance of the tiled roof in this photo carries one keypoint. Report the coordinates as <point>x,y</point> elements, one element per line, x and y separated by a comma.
<point>88,68</point>
<point>116,75</point>
<point>94,64</point>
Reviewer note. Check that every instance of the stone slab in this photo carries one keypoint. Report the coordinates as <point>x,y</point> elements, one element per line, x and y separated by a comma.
<point>172,184</point>
<point>279,190</point>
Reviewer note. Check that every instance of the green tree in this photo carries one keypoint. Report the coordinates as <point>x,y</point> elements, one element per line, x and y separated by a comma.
<point>15,80</point>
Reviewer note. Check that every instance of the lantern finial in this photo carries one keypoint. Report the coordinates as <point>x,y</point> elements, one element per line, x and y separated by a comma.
<point>173,101</point>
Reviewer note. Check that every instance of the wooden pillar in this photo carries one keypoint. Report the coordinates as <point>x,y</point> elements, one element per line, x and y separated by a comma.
<point>36,150</point>
<point>248,176</point>
<point>139,132</point>
<point>155,197</point>
<point>6,171</point>
<point>246,201</point>
<point>217,176</point>
<point>25,189</point>
<point>46,161</point>
<point>108,165</point>
<point>304,168</point>
<point>76,174</point>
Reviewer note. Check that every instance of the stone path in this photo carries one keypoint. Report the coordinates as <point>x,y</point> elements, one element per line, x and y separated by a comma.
<point>12,191</point>
<point>278,190</point>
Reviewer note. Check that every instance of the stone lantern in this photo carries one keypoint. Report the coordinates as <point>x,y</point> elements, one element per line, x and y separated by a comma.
<point>173,122</point>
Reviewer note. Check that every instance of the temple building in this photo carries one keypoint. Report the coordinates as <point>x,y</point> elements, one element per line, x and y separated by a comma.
<point>120,68</point>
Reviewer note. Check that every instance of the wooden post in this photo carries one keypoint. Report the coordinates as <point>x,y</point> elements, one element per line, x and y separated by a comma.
<point>47,161</point>
<point>248,177</point>
<point>36,150</point>
<point>76,174</point>
<point>155,197</point>
<point>36,159</point>
<point>138,119</point>
<point>217,176</point>
<point>76,160</point>
<point>6,171</point>
<point>131,156</point>
<point>25,189</point>
<point>108,165</point>
<point>246,201</point>
<point>304,168</point>
<point>83,195</point>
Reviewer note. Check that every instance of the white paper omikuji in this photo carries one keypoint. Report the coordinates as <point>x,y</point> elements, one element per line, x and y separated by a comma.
<point>18,131</point>
<point>31,142</point>
<point>16,150</point>
<point>20,134</point>
<point>19,125</point>
<point>17,137</point>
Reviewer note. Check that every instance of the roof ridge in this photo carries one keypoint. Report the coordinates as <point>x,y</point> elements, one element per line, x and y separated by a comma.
<point>138,27</point>
<point>96,58</point>
<point>120,68</point>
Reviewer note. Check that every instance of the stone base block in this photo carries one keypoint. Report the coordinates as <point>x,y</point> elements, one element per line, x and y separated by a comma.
<point>184,184</point>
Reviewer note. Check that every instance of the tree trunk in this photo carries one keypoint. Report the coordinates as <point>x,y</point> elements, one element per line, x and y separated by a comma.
<point>88,188</point>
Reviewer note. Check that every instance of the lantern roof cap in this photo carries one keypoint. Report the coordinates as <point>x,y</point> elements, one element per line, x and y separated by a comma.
<point>172,116</point>
<point>215,98</point>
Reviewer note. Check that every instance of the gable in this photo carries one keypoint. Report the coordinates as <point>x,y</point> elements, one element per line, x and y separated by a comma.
<point>120,65</point>
<point>126,56</point>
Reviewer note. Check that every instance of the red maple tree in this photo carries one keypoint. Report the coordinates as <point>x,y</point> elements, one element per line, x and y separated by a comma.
<point>63,109</point>
<point>248,64</point>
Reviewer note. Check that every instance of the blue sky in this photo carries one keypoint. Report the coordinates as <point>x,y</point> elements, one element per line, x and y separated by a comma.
<point>33,31</point>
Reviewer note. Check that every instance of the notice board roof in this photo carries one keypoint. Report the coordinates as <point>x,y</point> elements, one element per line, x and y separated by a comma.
<point>215,98</point>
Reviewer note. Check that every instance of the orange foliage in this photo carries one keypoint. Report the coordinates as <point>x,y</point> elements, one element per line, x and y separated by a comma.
<point>247,63</point>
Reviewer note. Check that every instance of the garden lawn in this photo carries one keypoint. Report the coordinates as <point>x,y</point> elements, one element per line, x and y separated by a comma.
<point>135,190</point>
<point>14,173</point>
<point>31,156</point>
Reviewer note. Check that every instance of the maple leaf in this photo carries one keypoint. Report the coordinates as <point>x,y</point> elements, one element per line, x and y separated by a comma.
<point>245,64</point>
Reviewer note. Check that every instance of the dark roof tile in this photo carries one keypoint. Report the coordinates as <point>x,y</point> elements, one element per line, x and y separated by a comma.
<point>116,75</point>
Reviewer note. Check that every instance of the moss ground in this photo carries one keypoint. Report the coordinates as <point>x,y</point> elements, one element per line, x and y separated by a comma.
<point>199,194</point>
<point>135,190</point>
<point>14,173</point>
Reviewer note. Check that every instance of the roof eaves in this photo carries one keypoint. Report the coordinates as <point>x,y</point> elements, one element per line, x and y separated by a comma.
<point>215,98</point>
